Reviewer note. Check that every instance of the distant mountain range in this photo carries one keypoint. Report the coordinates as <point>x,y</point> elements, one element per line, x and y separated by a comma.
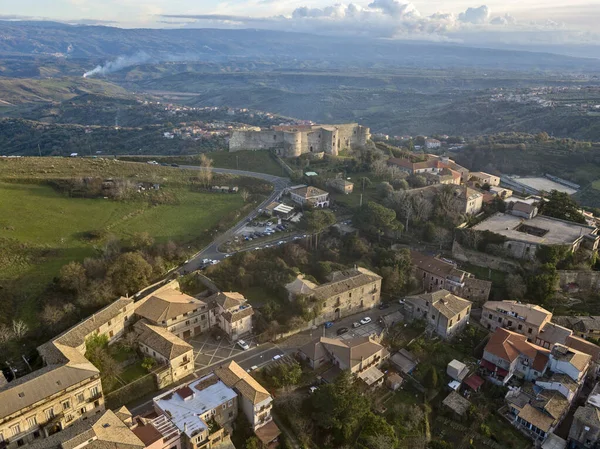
<point>101,44</point>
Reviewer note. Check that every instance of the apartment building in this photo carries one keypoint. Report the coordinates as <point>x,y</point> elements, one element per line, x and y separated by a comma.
<point>255,401</point>
<point>436,274</point>
<point>522,318</point>
<point>347,292</point>
<point>67,389</point>
<point>444,313</point>
<point>231,313</point>
<point>482,178</point>
<point>179,313</point>
<point>203,411</point>
<point>166,348</point>
<point>585,428</point>
<point>157,432</point>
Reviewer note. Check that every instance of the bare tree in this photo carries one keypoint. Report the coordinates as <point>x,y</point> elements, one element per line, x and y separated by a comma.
<point>205,174</point>
<point>20,328</point>
<point>515,286</point>
<point>422,208</point>
<point>6,333</point>
<point>472,238</point>
<point>441,236</point>
<point>401,202</point>
<point>245,195</point>
<point>379,167</point>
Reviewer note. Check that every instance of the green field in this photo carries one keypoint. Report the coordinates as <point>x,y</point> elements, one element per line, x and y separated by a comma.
<point>43,230</point>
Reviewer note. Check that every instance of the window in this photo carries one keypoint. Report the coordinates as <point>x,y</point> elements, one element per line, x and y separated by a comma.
<point>433,317</point>
<point>490,316</point>
<point>93,391</point>
<point>109,322</point>
<point>450,324</point>
<point>49,414</point>
<point>427,303</point>
<point>275,137</point>
<point>530,331</point>
<point>509,323</point>
<point>230,403</point>
<point>195,320</point>
<point>203,317</point>
<point>187,323</point>
<point>80,398</point>
<point>224,406</point>
<point>499,319</point>
<point>20,442</point>
<point>350,295</point>
<point>31,422</point>
<point>16,429</point>
<point>82,410</point>
<point>459,317</point>
<point>36,434</point>
<point>520,327</point>
<point>231,414</point>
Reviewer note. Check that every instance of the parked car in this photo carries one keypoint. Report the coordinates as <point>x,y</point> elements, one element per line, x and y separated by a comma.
<point>401,301</point>
<point>328,324</point>
<point>277,357</point>
<point>355,325</point>
<point>174,165</point>
<point>311,390</point>
<point>384,305</point>
<point>365,320</point>
<point>242,344</point>
<point>342,330</point>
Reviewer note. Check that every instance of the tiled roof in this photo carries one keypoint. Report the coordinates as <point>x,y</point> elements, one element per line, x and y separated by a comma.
<point>234,376</point>
<point>349,352</point>
<point>301,286</point>
<point>344,281</point>
<point>161,340</point>
<point>445,303</point>
<point>434,265</point>
<point>585,346</point>
<point>537,418</point>
<point>588,415</point>
<point>238,315</point>
<point>508,345</point>
<point>227,300</point>
<point>554,333</point>
<point>309,192</point>
<point>268,432</point>
<point>576,358</point>
<point>532,313</point>
<point>457,403</point>
<point>166,305</point>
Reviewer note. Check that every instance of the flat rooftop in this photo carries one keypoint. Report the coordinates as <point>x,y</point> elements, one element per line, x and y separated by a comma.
<point>539,230</point>
<point>545,184</point>
<point>185,405</point>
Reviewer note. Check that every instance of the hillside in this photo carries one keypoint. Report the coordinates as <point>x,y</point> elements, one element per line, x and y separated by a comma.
<point>14,91</point>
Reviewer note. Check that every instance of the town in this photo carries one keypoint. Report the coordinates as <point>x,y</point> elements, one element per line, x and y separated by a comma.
<point>448,306</point>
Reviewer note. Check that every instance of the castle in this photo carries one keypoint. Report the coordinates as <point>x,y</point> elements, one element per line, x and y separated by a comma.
<point>294,140</point>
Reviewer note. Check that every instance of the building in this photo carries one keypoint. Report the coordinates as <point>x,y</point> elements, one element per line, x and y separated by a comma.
<point>455,402</point>
<point>521,209</point>
<point>507,353</point>
<point>203,411</point>
<point>231,313</point>
<point>157,433</point>
<point>524,319</point>
<point>68,389</point>
<point>522,238</point>
<point>437,274</point>
<point>428,164</point>
<point>255,402</point>
<point>362,356</point>
<point>445,314</point>
<point>166,348</point>
<point>310,196</point>
<point>341,185</point>
<point>482,178</point>
<point>585,428</point>
<point>103,430</point>
<point>180,314</point>
<point>457,370</point>
<point>583,326</point>
<point>405,361</point>
<point>469,200</point>
<point>432,143</point>
<point>295,140</point>
<point>501,192</point>
<point>347,292</point>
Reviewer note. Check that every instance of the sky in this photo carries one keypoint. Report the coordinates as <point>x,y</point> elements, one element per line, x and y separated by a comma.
<point>512,22</point>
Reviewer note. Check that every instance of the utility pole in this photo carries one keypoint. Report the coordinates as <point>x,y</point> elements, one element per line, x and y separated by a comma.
<point>361,199</point>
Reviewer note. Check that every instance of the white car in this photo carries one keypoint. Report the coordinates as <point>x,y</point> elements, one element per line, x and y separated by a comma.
<point>400,301</point>
<point>365,320</point>
<point>242,344</point>
<point>312,389</point>
<point>277,357</point>
<point>205,260</point>
<point>355,325</point>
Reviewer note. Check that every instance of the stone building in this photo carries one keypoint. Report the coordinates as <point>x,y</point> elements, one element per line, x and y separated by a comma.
<point>231,313</point>
<point>295,140</point>
<point>445,314</point>
<point>311,196</point>
<point>522,318</point>
<point>347,292</point>
<point>437,274</point>
<point>482,178</point>
<point>585,428</point>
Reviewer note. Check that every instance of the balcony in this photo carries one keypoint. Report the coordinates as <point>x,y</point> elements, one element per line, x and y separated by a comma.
<point>95,397</point>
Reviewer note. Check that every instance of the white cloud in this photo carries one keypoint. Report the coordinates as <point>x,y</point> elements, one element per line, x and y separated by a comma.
<point>507,19</point>
<point>475,15</point>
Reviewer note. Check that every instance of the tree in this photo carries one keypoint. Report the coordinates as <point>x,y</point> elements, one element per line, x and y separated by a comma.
<point>339,407</point>
<point>244,194</point>
<point>384,189</point>
<point>73,277</point>
<point>6,333</point>
<point>542,285</point>
<point>317,220</point>
<point>515,286</point>
<point>205,173</point>
<point>141,241</point>
<point>129,273</point>
<point>374,429</point>
<point>431,378</point>
<point>148,363</point>
<point>560,205</point>
<point>364,182</point>
<point>20,328</point>
<point>253,443</point>
<point>376,219</point>
<point>441,236</point>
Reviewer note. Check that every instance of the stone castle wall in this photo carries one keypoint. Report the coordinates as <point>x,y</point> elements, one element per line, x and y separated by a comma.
<point>328,139</point>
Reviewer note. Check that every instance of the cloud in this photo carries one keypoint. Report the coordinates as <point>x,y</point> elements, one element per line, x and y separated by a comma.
<point>507,19</point>
<point>395,9</point>
<point>475,15</point>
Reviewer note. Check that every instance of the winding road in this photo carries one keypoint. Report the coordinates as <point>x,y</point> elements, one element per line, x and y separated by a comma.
<point>212,250</point>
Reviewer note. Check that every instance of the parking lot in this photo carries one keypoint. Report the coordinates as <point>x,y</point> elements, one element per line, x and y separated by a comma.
<point>362,331</point>
<point>208,351</point>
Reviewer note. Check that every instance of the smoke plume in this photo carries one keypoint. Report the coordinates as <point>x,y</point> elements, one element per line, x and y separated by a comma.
<point>118,64</point>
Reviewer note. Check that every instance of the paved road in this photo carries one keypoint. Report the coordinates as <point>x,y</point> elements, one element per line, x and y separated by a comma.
<point>212,250</point>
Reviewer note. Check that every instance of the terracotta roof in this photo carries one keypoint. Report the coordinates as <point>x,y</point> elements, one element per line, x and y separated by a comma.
<point>227,300</point>
<point>587,347</point>
<point>268,432</point>
<point>309,192</point>
<point>532,313</point>
<point>576,358</point>
<point>234,376</point>
<point>168,304</point>
<point>434,265</point>
<point>537,418</point>
<point>508,345</point>
<point>349,352</point>
<point>161,340</point>
<point>445,303</point>
<point>238,315</point>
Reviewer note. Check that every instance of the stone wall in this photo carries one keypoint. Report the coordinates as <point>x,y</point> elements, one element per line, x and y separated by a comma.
<point>586,280</point>
<point>463,254</point>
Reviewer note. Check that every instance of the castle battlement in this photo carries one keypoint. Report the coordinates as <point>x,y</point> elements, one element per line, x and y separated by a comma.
<point>294,140</point>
